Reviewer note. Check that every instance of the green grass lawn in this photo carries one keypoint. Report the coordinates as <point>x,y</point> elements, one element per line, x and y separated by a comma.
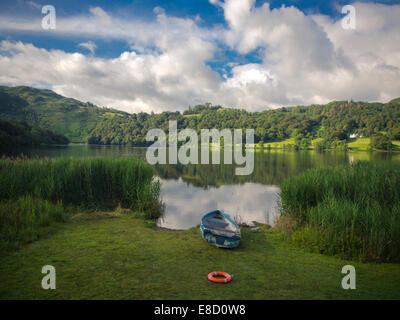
<point>123,257</point>
<point>280,144</point>
<point>362,144</point>
<point>273,144</point>
<point>396,143</point>
<point>359,144</point>
<point>191,115</point>
<point>356,144</point>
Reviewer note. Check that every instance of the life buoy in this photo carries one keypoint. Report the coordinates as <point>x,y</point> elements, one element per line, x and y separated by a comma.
<point>226,279</point>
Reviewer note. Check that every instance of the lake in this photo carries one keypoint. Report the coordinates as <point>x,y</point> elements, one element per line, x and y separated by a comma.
<point>189,191</point>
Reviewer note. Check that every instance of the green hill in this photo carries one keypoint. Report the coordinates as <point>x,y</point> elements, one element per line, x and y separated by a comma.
<point>395,101</point>
<point>46,109</point>
<point>14,134</point>
<point>85,122</point>
<point>335,121</point>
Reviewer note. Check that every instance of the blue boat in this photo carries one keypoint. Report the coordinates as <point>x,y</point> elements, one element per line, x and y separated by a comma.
<point>219,229</point>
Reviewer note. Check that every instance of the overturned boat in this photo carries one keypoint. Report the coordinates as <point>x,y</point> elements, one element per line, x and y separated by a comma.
<point>219,229</point>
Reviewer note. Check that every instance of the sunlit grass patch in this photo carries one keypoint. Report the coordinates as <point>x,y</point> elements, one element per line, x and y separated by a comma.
<point>359,144</point>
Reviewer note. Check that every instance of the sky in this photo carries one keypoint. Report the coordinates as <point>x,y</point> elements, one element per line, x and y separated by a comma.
<point>148,55</point>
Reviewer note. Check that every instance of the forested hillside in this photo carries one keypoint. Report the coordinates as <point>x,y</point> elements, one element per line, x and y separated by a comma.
<point>85,122</point>
<point>333,122</point>
<point>18,133</point>
<point>46,109</point>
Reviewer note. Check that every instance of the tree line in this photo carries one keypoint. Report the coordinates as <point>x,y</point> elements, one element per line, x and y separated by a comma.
<point>333,122</point>
<point>15,134</point>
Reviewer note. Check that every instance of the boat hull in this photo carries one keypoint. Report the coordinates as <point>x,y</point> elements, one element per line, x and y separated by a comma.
<point>219,240</point>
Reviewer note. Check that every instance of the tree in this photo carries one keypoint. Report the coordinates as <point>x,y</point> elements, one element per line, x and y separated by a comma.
<point>395,133</point>
<point>336,135</point>
<point>261,143</point>
<point>382,142</point>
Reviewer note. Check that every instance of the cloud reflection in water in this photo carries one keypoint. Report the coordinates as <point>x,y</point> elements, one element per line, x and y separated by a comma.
<point>186,204</point>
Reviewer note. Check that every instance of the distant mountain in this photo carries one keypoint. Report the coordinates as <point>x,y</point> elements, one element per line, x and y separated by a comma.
<point>46,109</point>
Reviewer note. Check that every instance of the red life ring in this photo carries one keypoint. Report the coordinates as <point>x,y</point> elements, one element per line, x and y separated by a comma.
<point>226,279</point>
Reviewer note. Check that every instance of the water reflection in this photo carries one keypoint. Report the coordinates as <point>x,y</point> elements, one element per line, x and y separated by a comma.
<point>189,191</point>
<point>186,203</point>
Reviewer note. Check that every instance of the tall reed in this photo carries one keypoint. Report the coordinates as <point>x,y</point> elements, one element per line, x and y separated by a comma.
<point>34,193</point>
<point>23,220</point>
<point>352,210</point>
<point>90,183</point>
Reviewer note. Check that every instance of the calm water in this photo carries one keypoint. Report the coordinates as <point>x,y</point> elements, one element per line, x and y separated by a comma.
<point>190,191</point>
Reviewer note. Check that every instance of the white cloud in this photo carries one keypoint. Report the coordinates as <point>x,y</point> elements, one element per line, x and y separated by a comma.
<point>34,4</point>
<point>100,13</point>
<point>90,45</point>
<point>313,59</point>
<point>131,82</point>
<point>98,24</point>
<point>305,59</point>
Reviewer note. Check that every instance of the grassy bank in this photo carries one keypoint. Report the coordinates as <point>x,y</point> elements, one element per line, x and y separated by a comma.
<point>355,144</point>
<point>351,211</point>
<point>123,257</point>
<point>33,192</point>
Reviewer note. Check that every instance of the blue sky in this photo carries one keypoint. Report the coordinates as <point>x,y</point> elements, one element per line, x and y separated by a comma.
<point>245,53</point>
<point>143,10</point>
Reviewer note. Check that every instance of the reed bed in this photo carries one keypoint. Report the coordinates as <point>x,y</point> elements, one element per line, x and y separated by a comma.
<point>43,186</point>
<point>352,211</point>
<point>26,218</point>
<point>89,183</point>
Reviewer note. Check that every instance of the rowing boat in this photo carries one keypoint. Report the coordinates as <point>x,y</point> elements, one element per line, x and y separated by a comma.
<point>219,229</point>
